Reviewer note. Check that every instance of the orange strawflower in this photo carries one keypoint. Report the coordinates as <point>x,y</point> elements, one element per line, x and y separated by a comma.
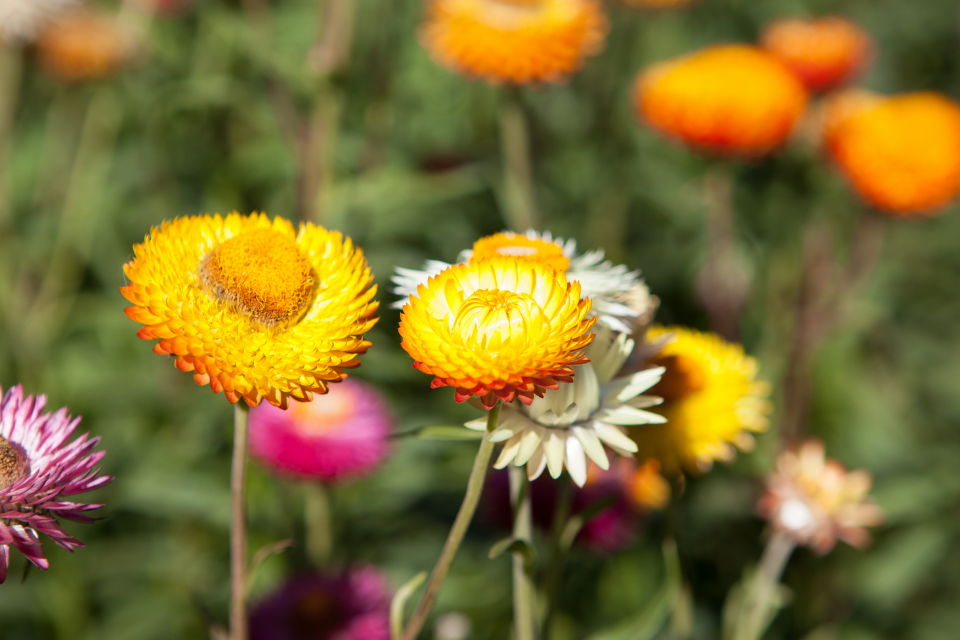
<point>514,41</point>
<point>729,99</point>
<point>498,329</point>
<point>901,154</point>
<point>824,52</point>
<point>84,45</point>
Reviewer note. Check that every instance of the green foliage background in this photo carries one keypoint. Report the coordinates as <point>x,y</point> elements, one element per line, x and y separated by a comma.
<point>192,128</point>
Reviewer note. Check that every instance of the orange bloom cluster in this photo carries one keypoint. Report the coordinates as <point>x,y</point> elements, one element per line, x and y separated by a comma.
<point>730,99</point>
<point>901,154</point>
<point>514,41</point>
<point>84,45</point>
<point>823,53</point>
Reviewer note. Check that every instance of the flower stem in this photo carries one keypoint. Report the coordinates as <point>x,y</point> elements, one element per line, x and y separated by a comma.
<point>459,529</point>
<point>520,207</point>
<point>558,555</point>
<point>759,607</point>
<point>238,526</point>
<point>317,514</point>
<point>11,67</point>
<point>524,594</point>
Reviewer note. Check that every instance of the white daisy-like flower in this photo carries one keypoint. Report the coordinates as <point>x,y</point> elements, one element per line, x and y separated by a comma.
<point>600,280</point>
<point>22,20</point>
<point>570,424</point>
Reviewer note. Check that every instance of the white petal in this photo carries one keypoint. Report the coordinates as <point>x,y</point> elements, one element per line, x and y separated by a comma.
<point>613,436</point>
<point>480,424</point>
<point>509,452</point>
<point>626,415</point>
<point>591,445</point>
<point>576,461</point>
<point>529,444</point>
<point>623,389</point>
<point>553,448</point>
<point>536,466</point>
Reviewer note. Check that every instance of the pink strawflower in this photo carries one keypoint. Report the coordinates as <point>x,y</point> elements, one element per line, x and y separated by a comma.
<point>342,434</point>
<point>354,605</point>
<point>37,470</point>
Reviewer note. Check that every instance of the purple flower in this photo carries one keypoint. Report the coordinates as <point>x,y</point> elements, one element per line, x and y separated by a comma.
<point>340,435</point>
<point>354,605</point>
<point>38,469</point>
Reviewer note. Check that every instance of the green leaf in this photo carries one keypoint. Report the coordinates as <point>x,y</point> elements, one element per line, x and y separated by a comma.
<point>513,545</point>
<point>648,622</point>
<point>398,602</point>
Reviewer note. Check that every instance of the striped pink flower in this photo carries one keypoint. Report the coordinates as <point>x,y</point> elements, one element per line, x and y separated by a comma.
<point>38,470</point>
<point>340,435</point>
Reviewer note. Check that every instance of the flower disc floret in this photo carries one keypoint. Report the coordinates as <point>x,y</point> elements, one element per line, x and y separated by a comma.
<point>253,307</point>
<point>498,329</point>
<point>514,41</point>
<point>730,99</point>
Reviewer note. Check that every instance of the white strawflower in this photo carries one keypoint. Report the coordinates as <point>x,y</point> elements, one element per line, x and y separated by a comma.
<point>22,20</point>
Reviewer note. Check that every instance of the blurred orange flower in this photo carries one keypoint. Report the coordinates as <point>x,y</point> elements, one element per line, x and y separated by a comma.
<point>729,99</point>
<point>824,52</point>
<point>902,154</point>
<point>816,501</point>
<point>84,45</point>
<point>514,41</point>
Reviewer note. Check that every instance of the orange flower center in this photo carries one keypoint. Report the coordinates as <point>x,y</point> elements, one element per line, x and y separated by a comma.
<point>683,376</point>
<point>261,273</point>
<point>539,251</point>
<point>14,465</point>
<point>494,317</point>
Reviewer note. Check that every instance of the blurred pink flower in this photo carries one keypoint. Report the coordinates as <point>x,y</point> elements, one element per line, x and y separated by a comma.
<point>354,605</point>
<point>340,435</point>
<point>37,470</point>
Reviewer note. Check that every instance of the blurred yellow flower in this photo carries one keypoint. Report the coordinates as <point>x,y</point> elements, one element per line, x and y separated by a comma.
<point>498,329</point>
<point>823,52</point>
<point>711,399</point>
<point>728,99</point>
<point>815,501</point>
<point>901,154</point>
<point>84,45</point>
<point>253,307</point>
<point>514,41</point>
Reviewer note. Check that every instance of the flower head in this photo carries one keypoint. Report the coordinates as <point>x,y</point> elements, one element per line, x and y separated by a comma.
<point>338,436</point>
<point>815,500</point>
<point>251,306</point>
<point>514,41</point>
<point>619,297</point>
<point>354,605</point>
<point>38,469</point>
<point>498,329</point>
<point>570,424</point>
<point>901,154</point>
<point>84,45</point>
<point>22,20</point>
<point>732,99</point>
<point>823,53</point>
<point>712,402</point>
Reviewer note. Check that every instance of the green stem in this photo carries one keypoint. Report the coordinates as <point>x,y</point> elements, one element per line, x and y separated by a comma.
<point>524,594</point>
<point>520,206</point>
<point>11,66</point>
<point>317,513</point>
<point>558,554</point>
<point>759,606</point>
<point>459,529</point>
<point>238,525</point>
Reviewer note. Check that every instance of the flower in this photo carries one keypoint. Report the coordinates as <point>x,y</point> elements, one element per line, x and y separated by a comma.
<point>646,489</point>
<point>619,297</point>
<point>569,424</point>
<point>711,402</point>
<point>254,308</point>
<point>823,53</point>
<point>815,501</point>
<point>514,41</point>
<point>38,469</point>
<point>497,329</point>
<point>729,99</point>
<point>901,154</point>
<point>22,20</point>
<point>84,45</point>
<point>354,605</point>
<point>340,435</point>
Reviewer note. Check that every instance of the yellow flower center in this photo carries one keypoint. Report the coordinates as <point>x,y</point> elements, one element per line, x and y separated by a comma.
<point>493,317</point>
<point>261,273</point>
<point>502,244</point>
<point>684,376</point>
<point>14,465</point>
